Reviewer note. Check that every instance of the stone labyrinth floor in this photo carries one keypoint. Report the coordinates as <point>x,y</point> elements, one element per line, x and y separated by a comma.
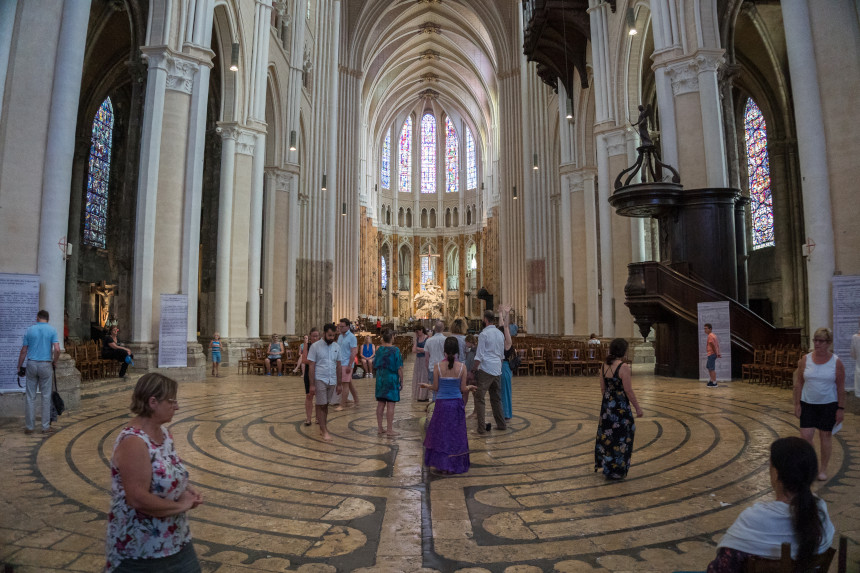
<point>280,499</point>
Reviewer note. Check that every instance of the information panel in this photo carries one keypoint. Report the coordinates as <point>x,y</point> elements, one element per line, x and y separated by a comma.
<point>717,314</point>
<point>173,331</point>
<point>846,317</point>
<point>19,303</point>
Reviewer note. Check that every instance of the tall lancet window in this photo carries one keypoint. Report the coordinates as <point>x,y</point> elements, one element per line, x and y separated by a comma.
<point>471,162</point>
<point>428,154</point>
<point>761,199</point>
<point>386,162</point>
<point>383,273</point>
<point>95,219</point>
<point>452,158</point>
<point>406,156</point>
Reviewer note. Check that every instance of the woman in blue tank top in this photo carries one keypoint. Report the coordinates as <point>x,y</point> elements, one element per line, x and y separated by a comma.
<point>446,445</point>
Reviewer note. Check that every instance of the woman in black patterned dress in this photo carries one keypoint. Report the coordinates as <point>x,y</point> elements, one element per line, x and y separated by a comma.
<point>616,428</point>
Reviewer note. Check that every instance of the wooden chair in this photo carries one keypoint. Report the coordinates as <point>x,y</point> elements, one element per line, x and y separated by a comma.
<point>747,370</point>
<point>289,360</point>
<point>524,361</point>
<point>258,362</point>
<point>574,361</point>
<point>592,360</point>
<point>78,354</point>
<point>245,360</point>
<point>770,374</point>
<point>766,362</point>
<point>558,361</point>
<point>785,564</point>
<point>538,360</point>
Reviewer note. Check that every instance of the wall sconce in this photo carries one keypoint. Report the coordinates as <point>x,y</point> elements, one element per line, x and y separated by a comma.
<point>515,192</point>
<point>234,58</point>
<point>534,162</point>
<point>631,22</point>
<point>482,185</point>
<point>343,210</point>
<point>324,183</point>
<point>260,290</point>
<point>293,138</point>
<point>569,108</point>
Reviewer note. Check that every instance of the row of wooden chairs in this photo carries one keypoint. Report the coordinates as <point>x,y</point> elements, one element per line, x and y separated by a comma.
<point>575,359</point>
<point>253,360</point>
<point>772,366</point>
<point>88,360</point>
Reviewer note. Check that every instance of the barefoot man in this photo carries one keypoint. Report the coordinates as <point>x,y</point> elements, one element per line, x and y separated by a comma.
<point>324,365</point>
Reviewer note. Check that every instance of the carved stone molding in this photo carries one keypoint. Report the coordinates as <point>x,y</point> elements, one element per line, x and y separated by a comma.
<point>349,72</point>
<point>684,76</point>
<point>429,28</point>
<point>429,55</point>
<point>430,77</point>
<point>616,142</point>
<point>509,73</point>
<point>228,131</point>
<point>246,141</point>
<point>429,94</point>
<point>709,62</point>
<point>180,74</point>
<point>428,1</point>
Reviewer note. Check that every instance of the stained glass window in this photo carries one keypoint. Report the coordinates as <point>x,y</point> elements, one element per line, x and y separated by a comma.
<point>406,156</point>
<point>471,162</point>
<point>95,218</point>
<point>428,154</point>
<point>386,162</point>
<point>426,270</point>
<point>761,200</point>
<point>452,158</point>
<point>383,273</point>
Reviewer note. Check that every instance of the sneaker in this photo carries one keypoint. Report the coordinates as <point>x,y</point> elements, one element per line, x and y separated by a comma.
<point>712,384</point>
<point>488,427</point>
<point>268,373</point>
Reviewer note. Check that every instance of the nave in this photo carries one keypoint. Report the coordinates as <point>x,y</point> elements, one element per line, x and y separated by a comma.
<point>277,498</point>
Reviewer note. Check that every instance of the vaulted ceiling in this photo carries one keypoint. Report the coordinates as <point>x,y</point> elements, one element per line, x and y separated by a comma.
<point>448,51</point>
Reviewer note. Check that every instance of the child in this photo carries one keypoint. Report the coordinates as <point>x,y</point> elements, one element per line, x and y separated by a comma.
<point>303,352</point>
<point>276,349</point>
<point>446,445</point>
<point>215,349</point>
<point>471,349</point>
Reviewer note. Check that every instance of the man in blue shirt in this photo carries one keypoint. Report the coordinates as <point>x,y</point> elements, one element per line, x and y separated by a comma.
<point>41,348</point>
<point>348,351</point>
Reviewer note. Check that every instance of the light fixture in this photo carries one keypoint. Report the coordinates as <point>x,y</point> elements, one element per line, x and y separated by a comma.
<point>515,192</point>
<point>293,140</point>
<point>323,183</point>
<point>631,22</point>
<point>343,209</point>
<point>482,185</point>
<point>534,162</point>
<point>234,58</point>
<point>376,187</point>
<point>569,108</point>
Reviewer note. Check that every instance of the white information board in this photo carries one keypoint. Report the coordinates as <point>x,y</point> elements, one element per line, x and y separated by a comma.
<point>19,303</point>
<point>717,314</point>
<point>846,316</point>
<point>173,331</point>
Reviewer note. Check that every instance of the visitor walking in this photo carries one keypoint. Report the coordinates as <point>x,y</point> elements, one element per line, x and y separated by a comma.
<point>324,367</point>
<point>420,370</point>
<point>310,390</point>
<point>215,351</point>
<point>389,382</point>
<point>509,330</point>
<point>713,350</point>
<point>348,351</point>
<point>487,370</point>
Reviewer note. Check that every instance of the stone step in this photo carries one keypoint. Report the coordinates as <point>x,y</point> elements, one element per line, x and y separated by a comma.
<point>107,386</point>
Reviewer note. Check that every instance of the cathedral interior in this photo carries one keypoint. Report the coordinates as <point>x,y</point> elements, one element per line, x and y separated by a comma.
<point>600,166</point>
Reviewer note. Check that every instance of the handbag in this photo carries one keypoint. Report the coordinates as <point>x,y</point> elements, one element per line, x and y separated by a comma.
<point>56,399</point>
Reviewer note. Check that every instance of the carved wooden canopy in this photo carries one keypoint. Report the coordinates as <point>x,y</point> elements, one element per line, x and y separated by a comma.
<point>556,37</point>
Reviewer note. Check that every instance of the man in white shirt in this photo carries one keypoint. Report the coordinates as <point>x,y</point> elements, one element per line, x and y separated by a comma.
<point>324,364</point>
<point>434,348</point>
<point>487,370</point>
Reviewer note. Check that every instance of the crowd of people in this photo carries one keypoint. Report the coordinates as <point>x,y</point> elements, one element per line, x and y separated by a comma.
<point>151,494</point>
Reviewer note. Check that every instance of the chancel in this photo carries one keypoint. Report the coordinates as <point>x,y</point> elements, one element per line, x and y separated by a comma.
<point>256,169</point>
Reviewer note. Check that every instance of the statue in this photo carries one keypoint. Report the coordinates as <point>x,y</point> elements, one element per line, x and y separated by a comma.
<point>642,124</point>
<point>430,301</point>
<point>105,293</point>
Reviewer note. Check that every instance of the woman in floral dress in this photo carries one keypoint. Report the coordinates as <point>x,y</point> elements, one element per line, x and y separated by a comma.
<point>616,428</point>
<point>147,527</point>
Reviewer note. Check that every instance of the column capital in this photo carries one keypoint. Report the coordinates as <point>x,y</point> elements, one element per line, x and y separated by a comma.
<point>616,140</point>
<point>684,76</point>
<point>180,73</point>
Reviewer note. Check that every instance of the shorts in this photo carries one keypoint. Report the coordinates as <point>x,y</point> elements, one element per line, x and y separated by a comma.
<point>346,374</point>
<point>819,416</point>
<point>274,356</point>
<point>216,356</point>
<point>307,380</point>
<point>712,362</point>
<point>325,393</point>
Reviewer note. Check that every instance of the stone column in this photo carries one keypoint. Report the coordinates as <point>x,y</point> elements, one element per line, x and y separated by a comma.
<point>59,154</point>
<point>812,146</point>
<point>229,134</point>
<point>604,215</point>
<point>7,20</point>
<point>76,207</point>
<point>708,65</point>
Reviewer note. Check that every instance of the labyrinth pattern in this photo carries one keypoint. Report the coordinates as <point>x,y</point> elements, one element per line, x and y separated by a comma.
<point>278,498</point>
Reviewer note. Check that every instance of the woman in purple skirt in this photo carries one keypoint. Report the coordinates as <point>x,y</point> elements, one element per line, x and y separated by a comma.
<point>446,446</point>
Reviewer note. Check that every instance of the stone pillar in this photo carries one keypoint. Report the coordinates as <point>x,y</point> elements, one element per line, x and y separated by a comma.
<point>708,65</point>
<point>59,154</point>
<point>741,249</point>
<point>604,215</point>
<point>7,21</point>
<point>229,134</point>
<point>812,146</point>
<point>566,253</point>
<point>76,206</point>
<point>592,249</point>
<point>602,79</point>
